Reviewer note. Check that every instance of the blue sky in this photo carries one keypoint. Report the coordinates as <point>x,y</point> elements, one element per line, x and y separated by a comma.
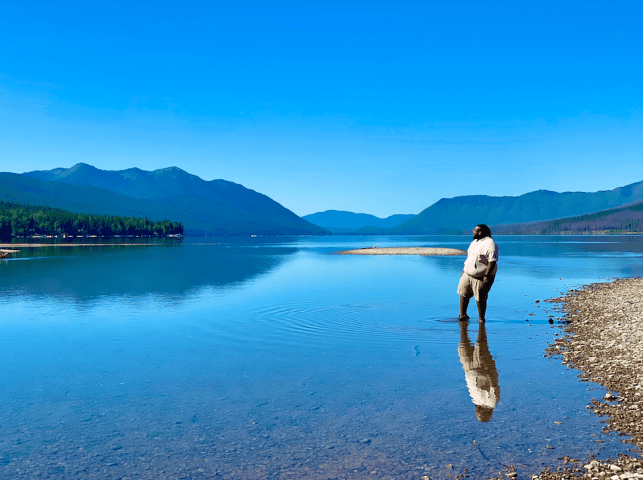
<point>375,107</point>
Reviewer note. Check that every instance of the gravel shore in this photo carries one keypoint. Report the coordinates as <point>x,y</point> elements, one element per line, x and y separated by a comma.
<point>405,251</point>
<point>603,339</point>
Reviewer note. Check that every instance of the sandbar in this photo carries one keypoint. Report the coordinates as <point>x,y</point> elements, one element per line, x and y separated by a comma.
<point>424,251</point>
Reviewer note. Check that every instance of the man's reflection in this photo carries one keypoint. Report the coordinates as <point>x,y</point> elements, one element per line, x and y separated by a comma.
<point>479,371</point>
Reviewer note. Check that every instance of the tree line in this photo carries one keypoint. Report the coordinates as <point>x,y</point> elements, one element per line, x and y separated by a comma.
<point>25,221</point>
<point>616,221</point>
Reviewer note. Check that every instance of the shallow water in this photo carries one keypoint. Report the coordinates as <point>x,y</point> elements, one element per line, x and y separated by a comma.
<point>274,358</point>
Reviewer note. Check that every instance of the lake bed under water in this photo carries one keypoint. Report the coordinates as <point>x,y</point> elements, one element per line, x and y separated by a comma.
<point>275,358</point>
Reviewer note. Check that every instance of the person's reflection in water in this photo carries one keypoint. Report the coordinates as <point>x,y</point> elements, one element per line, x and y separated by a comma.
<point>479,371</point>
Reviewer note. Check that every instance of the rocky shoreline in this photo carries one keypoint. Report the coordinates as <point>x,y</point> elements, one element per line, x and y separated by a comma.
<point>603,339</point>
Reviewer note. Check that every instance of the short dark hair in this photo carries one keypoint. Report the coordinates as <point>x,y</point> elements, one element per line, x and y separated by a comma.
<point>484,230</point>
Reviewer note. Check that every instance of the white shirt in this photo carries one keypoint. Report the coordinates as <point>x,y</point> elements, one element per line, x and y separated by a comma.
<point>480,253</point>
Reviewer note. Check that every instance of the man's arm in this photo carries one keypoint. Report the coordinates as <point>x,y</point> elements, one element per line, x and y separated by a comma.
<point>490,267</point>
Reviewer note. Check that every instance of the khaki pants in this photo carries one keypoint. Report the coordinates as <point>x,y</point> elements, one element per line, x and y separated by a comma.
<point>472,287</point>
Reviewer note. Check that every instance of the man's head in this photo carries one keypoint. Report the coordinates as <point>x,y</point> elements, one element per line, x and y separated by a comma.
<point>481,231</point>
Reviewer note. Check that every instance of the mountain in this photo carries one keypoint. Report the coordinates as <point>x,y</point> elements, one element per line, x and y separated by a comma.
<point>31,191</point>
<point>628,219</point>
<point>450,215</point>
<point>338,221</point>
<point>216,207</point>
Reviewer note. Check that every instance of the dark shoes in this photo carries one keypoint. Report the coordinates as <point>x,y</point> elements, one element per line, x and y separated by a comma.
<point>464,318</point>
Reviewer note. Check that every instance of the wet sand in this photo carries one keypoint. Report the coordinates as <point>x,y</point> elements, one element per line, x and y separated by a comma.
<point>603,338</point>
<point>425,251</point>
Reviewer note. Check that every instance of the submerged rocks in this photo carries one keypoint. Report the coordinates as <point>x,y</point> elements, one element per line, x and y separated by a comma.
<point>625,467</point>
<point>603,338</point>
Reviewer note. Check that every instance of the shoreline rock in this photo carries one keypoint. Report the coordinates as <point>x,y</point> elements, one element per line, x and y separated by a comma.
<point>603,327</point>
<point>603,339</point>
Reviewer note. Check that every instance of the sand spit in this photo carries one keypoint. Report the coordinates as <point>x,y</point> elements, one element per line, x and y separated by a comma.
<point>5,253</point>
<point>603,325</point>
<point>425,251</point>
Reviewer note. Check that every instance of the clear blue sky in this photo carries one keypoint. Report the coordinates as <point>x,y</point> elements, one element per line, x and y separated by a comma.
<point>375,107</point>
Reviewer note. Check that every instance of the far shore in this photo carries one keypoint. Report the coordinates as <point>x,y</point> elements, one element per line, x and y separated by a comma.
<point>37,245</point>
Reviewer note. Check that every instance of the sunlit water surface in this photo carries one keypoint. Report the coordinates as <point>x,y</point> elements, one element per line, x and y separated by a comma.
<point>275,358</point>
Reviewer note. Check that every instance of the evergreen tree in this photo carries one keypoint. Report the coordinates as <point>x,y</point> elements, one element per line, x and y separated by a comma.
<point>27,220</point>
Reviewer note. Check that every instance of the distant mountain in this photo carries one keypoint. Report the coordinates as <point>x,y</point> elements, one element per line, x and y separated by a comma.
<point>628,219</point>
<point>451,215</point>
<point>339,221</point>
<point>31,191</point>
<point>216,207</point>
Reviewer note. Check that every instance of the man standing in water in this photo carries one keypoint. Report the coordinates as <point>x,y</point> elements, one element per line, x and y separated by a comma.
<point>479,272</point>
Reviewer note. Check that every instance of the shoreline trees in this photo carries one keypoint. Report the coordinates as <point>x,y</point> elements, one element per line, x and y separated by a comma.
<point>19,220</point>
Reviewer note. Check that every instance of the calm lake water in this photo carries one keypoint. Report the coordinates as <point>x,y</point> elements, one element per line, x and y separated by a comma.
<point>274,358</point>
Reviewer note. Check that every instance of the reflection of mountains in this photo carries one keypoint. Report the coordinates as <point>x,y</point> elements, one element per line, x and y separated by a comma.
<point>567,245</point>
<point>84,275</point>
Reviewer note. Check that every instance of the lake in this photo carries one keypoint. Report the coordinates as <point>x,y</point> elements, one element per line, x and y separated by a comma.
<point>275,358</point>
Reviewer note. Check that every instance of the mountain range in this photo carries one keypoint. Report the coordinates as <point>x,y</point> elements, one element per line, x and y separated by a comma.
<point>627,219</point>
<point>216,207</point>
<point>453,215</point>
<point>339,221</point>
<point>220,207</point>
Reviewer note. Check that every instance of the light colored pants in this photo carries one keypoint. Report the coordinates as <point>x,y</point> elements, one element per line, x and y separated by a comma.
<point>472,287</point>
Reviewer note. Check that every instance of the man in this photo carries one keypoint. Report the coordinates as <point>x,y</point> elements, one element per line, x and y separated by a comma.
<point>479,272</point>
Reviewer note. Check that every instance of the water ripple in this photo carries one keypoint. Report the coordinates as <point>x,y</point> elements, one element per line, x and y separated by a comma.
<point>308,323</point>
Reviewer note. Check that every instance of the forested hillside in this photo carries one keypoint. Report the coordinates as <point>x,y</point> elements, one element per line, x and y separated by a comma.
<point>451,215</point>
<point>215,207</point>
<point>25,220</point>
<point>622,220</point>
